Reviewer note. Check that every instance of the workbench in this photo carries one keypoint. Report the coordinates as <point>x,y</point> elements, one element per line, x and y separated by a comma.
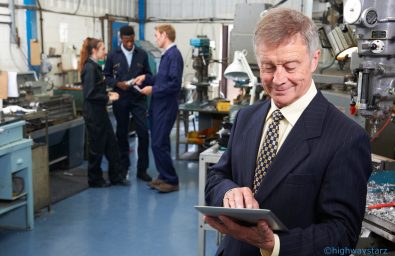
<point>16,190</point>
<point>208,117</point>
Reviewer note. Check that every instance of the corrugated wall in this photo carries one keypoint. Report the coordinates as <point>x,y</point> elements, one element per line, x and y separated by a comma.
<point>156,9</point>
<point>90,7</point>
<point>194,9</point>
<point>159,9</point>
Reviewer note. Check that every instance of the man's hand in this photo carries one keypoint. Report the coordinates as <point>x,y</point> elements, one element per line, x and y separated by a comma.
<point>146,90</point>
<point>112,96</point>
<point>260,236</point>
<point>139,80</point>
<point>122,85</point>
<point>240,198</point>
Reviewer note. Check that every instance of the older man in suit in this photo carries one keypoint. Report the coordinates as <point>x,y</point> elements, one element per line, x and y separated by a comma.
<point>294,154</point>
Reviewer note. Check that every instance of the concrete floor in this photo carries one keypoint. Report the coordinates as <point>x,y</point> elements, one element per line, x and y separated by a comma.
<point>120,221</point>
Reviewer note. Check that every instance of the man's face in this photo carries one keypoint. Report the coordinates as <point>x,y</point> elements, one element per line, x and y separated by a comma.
<point>286,70</point>
<point>159,39</point>
<point>128,42</point>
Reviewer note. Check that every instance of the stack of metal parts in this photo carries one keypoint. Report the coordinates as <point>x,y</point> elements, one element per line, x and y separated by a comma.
<point>60,108</point>
<point>380,201</point>
<point>51,110</point>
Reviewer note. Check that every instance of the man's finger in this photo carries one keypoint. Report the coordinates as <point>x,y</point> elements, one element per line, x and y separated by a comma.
<point>216,223</point>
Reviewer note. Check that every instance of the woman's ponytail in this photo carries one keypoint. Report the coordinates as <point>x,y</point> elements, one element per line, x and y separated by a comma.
<point>86,50</point>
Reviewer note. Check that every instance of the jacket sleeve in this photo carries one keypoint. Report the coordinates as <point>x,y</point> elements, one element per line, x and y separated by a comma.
<point>90,90</point>
<point>147,69</point>
<point>169,82</point>
<point>149,77</point>
<point>108,71</point>
<point>219,178</point>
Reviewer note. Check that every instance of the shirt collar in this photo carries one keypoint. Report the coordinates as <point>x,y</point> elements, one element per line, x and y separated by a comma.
<point>126,52</point>
<point>168,47</point>
<point>293,111</point>
<point>92,59</point>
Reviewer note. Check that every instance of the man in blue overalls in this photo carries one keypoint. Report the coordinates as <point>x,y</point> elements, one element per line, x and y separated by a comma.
<point>123,64</point>
<point>165,89</point>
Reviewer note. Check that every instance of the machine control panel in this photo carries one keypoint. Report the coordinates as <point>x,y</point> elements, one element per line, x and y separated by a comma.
<point>377,46</point>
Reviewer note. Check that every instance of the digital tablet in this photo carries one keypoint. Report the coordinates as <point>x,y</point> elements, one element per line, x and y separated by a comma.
<point>246,217</point>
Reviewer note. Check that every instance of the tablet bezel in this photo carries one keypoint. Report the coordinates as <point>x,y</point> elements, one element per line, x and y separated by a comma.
<point>246,217</point>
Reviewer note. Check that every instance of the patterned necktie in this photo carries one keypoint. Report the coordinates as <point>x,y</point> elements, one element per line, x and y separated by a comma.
<point>268,150</point>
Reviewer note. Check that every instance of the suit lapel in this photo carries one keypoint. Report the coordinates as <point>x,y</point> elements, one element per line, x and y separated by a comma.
<point>295,148</point>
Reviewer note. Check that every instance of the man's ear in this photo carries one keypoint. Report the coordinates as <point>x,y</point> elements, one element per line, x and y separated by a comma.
<point>314,60</point>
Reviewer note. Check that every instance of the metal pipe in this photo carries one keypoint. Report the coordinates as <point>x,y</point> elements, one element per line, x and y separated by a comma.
<point>31,28</point>
<point>141,17</point>
<point>40,10</point>
<point>12,17</point>
<point>307,8</point>
<point>224,56</point>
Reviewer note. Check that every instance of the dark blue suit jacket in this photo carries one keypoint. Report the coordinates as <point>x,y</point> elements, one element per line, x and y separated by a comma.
<point>316,185</point>
<point>116,69</point>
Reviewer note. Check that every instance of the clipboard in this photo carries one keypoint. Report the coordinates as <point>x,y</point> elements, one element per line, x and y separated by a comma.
<point>246,217</point>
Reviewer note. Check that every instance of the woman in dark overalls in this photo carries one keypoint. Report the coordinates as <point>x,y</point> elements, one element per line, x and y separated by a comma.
<point>101,137</point>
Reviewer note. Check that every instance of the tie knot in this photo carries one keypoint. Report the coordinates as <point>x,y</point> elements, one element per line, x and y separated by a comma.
<point>277,116</point>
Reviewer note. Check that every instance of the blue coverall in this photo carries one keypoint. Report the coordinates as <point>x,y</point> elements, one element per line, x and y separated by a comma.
<point>163,110</point>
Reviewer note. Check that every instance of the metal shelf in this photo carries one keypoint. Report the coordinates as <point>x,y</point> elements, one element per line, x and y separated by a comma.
<point>207,157</point>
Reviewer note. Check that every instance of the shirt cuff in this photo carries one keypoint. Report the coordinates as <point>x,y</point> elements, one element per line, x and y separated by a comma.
<point>276,248</point>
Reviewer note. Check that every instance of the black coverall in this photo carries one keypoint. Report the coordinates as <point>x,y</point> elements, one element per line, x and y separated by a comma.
<point>130,101</point>
<point>101,137</point>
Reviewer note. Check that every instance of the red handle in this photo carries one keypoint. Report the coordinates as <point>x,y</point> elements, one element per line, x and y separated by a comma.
<point>378,206</point>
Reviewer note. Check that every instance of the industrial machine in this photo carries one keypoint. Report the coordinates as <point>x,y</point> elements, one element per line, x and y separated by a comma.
<point>201,56</point>
<point>51,120</point>
<point>28,84</point>
<point>372,98</point>
<point>374,64</point>
<point>362,83</point>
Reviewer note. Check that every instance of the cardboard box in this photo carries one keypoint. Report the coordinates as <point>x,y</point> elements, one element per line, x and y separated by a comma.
<point>35,52</point>
<point>3,85</point>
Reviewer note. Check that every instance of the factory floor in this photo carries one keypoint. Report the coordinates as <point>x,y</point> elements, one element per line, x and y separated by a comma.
<point>118,220</point>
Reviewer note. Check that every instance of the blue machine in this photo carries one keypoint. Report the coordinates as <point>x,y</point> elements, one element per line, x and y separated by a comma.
<point>202,44</point>
<point>201,56</point>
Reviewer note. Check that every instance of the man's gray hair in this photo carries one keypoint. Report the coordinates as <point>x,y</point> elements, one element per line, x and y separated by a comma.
<point>279,25</point>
